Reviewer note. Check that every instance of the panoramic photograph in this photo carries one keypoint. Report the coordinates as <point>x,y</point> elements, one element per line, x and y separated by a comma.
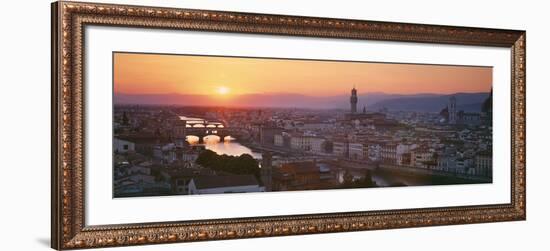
<point>196,124</point>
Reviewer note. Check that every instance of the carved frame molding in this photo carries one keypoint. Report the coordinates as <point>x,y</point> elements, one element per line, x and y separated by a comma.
<point>68,226</point>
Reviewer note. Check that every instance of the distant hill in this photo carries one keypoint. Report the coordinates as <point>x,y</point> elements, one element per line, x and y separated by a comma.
<point>374,101</point>
<point>470,102</point>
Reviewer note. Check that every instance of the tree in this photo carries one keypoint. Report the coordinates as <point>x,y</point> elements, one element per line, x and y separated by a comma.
<point>207,158</point>
<point>243,164</point>
<point>367,180</point>
<point>348,178</point>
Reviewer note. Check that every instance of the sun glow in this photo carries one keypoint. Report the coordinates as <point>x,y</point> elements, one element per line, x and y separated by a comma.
<point>222,90</point>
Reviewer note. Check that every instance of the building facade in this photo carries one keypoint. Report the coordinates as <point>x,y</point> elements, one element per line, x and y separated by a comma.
<point>123,146</point>
<point>215,184</point>
<point>307,143</point>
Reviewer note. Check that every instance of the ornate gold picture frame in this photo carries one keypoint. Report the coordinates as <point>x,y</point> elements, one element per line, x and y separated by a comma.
<point>69,230</point>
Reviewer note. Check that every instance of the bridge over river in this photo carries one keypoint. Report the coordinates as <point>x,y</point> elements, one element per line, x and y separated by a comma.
<point>199,127</point>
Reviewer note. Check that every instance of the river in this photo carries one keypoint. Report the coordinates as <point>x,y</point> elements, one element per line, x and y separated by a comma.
<point>229,146</point>
<point>391,178</point>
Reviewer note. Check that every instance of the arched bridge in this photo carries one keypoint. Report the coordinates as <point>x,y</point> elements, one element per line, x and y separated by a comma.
<point>192,126</point>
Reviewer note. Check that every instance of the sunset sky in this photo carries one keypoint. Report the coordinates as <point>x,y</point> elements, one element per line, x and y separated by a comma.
<point>226,76</point>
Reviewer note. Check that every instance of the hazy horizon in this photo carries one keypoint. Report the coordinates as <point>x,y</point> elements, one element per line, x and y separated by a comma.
<point>292,93</point>
<point>373,101</point>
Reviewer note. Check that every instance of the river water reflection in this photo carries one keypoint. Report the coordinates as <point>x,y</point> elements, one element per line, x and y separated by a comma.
<point>229,146</point>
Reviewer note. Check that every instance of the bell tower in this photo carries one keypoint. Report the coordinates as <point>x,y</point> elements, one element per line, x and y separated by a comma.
<point>452,110</point>
<point>353,100</point>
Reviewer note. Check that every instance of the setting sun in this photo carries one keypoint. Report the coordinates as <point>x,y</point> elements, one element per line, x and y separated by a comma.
<point>233,76</point>
<point>222,90</point>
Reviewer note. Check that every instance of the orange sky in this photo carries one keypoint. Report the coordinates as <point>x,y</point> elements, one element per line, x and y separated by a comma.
<point>158,74</point>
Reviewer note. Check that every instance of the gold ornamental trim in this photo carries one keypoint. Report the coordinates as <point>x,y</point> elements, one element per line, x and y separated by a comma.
<point>68,226</point>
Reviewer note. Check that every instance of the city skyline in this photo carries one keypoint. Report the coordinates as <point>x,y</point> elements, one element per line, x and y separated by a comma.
<point>196,143</point>
<point>171,150</point>
<point>226,78</point>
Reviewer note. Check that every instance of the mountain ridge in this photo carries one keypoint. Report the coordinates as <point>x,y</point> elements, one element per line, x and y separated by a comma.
<point>426,102</point>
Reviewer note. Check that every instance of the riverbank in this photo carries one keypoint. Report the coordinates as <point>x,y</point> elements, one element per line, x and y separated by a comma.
<point>436,173</point>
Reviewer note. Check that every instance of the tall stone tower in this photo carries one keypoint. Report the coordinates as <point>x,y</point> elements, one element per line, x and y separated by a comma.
<point>452,110</point>
<point>353,100</point>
